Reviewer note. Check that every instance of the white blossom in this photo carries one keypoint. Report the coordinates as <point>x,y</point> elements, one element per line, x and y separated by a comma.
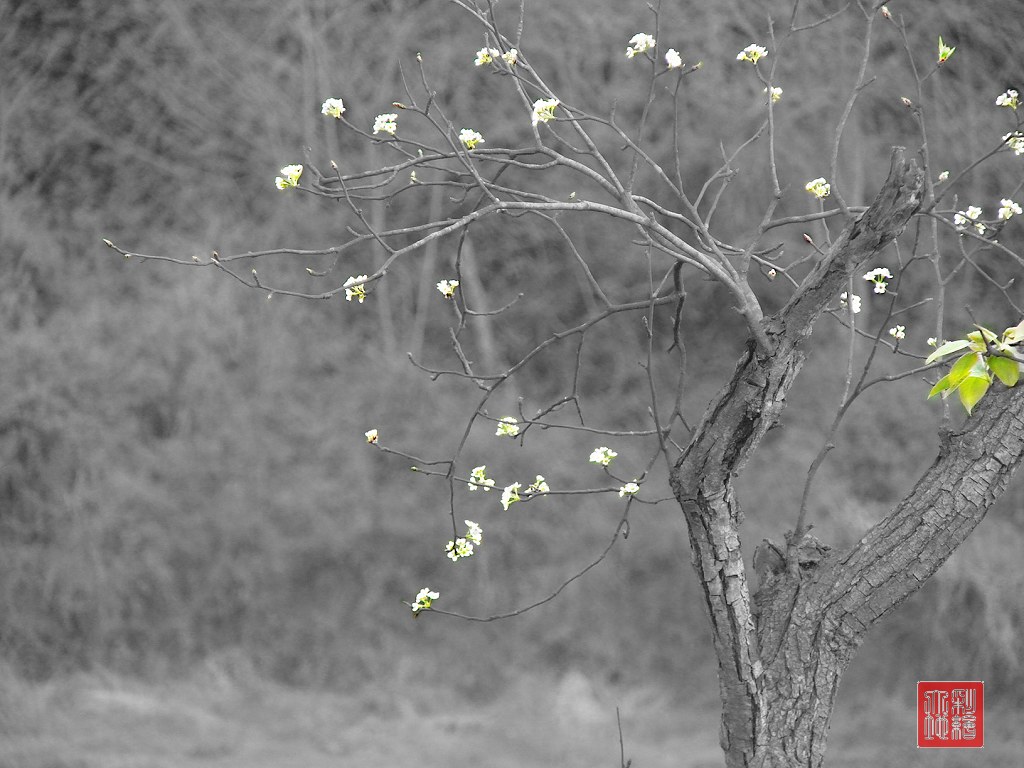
<point>507,427</point>
<point>1015,141</point>
<point>879,277</point>
<point>963,219</point>
<point>752,53</point>
<point>458,549</point>
<point>486,56</point>
<point>1010,99</point>
<point>470,138</point>
<point>510,495</point>
<point>353,291</point>
<point>333,108</point>
<point>386,123</point>
<point>1008,208</point>
<point>819,188</point>
<point>602,456</point>
<point>478,479</point>
<point>538,486</point>
<point>629,489</point>
<point>447,287</point>
<point>423,600</point>
<point>544,110</point>
<point>289,177</point>
<point>641,42</point>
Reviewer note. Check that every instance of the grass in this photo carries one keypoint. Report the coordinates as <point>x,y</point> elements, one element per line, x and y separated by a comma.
<point>224,715</point>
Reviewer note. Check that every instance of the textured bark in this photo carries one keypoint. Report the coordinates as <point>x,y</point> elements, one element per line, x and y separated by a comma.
<point>901,552</point>
<point>780,656</point>
<point>812,621</point>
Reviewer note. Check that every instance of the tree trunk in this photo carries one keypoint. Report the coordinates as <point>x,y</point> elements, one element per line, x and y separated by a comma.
<point>782,654</point>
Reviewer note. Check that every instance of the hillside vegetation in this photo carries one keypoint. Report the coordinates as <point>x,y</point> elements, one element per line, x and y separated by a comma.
<point>183,475</point>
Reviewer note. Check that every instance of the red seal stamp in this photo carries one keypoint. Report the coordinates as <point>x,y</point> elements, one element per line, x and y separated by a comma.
<point>950,713</point>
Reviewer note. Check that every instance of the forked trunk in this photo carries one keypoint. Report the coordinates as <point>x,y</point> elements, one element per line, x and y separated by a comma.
<point>798,694</point>
<point>781,654</point>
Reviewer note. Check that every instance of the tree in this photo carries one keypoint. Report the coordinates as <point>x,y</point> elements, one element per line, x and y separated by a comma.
<point>783,645</point>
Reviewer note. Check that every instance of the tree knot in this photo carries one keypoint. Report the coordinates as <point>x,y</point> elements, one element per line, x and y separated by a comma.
<point>806,554</point>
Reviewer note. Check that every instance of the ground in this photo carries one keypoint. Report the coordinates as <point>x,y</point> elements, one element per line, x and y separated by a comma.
<point>219,718</point>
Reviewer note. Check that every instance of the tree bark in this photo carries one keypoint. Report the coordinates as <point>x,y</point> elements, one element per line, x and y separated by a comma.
<point>781,655</point>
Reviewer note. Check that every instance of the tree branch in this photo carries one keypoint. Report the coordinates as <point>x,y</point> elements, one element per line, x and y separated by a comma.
<point>897,201</point>
<point>732,428</point>
<point>902,551</point>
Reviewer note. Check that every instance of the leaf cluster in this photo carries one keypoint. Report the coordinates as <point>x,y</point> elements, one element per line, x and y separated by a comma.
<point>990,357</point>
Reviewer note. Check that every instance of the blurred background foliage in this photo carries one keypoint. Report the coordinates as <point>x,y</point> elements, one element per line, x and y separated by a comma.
<point>182,467</point>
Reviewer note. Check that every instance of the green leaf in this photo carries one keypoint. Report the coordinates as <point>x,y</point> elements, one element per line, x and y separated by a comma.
<point>948,348</point>
<point>1014,335</point>
<point>976,336</point>
<point>972,390</point>
<point>945,51</point>
<point>1006,369</point>
<point>941,386</point>
<point>962,368</point>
